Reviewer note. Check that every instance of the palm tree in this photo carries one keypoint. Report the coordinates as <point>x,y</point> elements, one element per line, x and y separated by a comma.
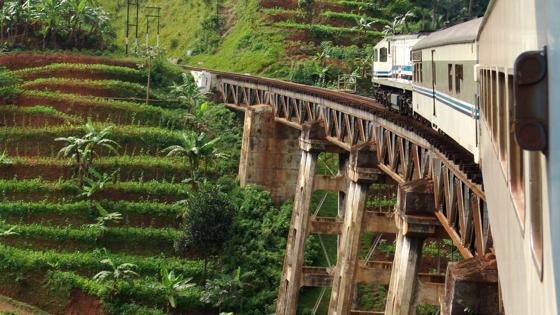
<point>173,286</point>
<point>195,148</point>
<point>83,149</point>
<point>116,273</point>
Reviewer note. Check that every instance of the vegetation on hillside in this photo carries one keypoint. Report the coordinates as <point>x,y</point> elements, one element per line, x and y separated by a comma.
<point>54,24</point>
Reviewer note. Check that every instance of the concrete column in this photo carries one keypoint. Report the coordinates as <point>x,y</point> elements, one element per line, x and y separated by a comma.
<point>290,285</point>
<point>270,154</point>
<point>415,220</point>
<point>472,284</point>
<point>361,173</point>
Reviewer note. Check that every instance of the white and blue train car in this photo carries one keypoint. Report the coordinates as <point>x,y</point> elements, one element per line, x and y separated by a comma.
<point>393,70</point>
<point>444,91</point>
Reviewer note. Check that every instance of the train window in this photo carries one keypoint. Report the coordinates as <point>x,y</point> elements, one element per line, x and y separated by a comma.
<point>383,54</point>
<point>421,71</point>
<point>517,183</point>
<point>535,195</point>
<point>502,118</point>
<point>458,78</point>
<point>375,55</point>
<point>450,77</point>
<point>494,111</point>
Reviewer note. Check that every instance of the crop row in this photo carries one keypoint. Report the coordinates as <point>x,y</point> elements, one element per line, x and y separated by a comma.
<point>133,140</point>
<point>140,291</point>
<point>83,71</point>
<point>79,213</point>
<point>23,60</point>
<point>137,241</point>
<point>128,168</point>
<point>98,88</point>
<point>118,112</point>
<point>13,259</point>
<point>12,116</point>
<point>325,31</point>
<point>37,189</point>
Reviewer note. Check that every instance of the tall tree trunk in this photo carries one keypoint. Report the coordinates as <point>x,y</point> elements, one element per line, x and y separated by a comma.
<point>469,12</point>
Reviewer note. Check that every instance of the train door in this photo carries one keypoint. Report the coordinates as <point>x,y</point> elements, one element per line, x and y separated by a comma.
<point>434,81</point>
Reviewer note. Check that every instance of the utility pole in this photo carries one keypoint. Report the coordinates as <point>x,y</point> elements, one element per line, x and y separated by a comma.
<point>152,13</point>
<point>136,4</point>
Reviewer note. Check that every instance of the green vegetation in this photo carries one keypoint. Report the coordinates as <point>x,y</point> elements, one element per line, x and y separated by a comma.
<point>54,24</point>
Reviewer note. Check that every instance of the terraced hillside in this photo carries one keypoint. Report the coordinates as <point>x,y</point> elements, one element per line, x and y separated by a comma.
<point>55,231</point>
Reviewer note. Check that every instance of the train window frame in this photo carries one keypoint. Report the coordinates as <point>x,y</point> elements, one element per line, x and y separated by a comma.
<point>515,176</point>
<point>450,72</point>
<point>458,78</point>
<point>383,54</point>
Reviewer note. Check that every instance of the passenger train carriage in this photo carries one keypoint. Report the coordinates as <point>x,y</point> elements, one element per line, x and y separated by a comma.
<point>518,82</point>
<point>443,83</point>
<point>492,85</point>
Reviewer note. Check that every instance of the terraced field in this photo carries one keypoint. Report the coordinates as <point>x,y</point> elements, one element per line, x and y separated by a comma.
<point>51,248</point>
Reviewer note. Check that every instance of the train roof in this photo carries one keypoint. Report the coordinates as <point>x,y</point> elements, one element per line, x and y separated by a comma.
<point>466,32</point>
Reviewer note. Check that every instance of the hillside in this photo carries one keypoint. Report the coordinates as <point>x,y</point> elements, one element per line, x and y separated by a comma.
<point>56,231</point>
<point>308,41</point>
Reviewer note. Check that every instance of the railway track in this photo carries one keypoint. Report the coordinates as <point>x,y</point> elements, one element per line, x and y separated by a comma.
<point>447,147</point>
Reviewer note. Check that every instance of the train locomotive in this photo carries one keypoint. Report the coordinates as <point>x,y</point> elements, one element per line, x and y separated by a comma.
<point>393,71</point>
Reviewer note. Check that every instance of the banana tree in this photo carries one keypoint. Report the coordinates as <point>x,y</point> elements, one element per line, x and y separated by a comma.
<point>116,274</point>
<point>173,286</point>
<point>83,149</point>
<point>195,148</point>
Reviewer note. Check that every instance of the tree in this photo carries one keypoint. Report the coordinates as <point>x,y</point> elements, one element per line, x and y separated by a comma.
<point>195,148</point>
<point>207,222</point>
<point>116,274</point>
<point>83,149</point>
<point>173,286</point>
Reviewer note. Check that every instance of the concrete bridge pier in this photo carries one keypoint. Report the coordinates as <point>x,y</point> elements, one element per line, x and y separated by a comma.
<point>270,154</point>
<point>416,221</point>
<point>311,144</point>
<point>361,171</point>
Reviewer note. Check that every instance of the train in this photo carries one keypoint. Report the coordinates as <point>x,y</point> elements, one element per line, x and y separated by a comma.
<point>487,84</point>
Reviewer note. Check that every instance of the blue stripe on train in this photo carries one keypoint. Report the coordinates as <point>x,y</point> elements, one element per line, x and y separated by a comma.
<point>462,108</point>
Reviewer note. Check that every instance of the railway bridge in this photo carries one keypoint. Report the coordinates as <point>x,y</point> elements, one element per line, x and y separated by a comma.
<point>440,193</point>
